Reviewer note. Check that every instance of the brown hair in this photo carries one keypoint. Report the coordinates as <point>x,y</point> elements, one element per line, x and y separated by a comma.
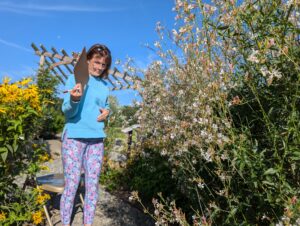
<point>103,51</point>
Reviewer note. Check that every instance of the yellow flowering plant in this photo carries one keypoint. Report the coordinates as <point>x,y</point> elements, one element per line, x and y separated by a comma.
<point>24,207</point>
<point>21,105</point>
<point>37,217</point>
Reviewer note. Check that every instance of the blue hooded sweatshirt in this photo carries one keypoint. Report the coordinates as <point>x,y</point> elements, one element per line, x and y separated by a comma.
<point>81,116</point>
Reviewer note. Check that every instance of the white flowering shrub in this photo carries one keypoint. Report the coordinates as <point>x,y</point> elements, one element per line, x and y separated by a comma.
<point>222,105</point>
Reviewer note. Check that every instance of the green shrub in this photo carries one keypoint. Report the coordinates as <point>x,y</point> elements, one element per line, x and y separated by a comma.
<point>53,119</point>
<point>222,106</point>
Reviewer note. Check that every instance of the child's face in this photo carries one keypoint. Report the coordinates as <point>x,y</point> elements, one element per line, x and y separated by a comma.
<point>97,65</point>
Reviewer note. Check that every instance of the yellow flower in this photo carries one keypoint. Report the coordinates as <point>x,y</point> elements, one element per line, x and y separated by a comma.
<point>17,96</point>
<point>25,81</point>
<point>41,198</point>
<point>2,216</point>
<point>2,110</point>
<point>37,217</point>
<point>45,168</point>
<point>38,190</point>
<point>44,158</point>
<point>6,80</point>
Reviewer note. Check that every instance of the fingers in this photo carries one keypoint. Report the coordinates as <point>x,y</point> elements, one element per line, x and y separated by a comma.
<point>103,115</point>
<point>104,111</point>
<point>78,88</point>
<point>76,92</point>
<point>101,118</point>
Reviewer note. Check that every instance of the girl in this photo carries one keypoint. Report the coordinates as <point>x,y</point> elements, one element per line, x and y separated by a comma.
<point>82,139</point>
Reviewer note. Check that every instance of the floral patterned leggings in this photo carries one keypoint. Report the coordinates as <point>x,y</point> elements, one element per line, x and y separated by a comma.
<point>75,154</point>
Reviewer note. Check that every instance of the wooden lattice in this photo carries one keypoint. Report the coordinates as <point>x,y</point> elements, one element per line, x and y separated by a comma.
<point>62,65</point>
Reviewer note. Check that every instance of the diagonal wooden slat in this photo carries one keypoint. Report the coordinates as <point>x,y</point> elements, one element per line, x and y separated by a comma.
<point>54,71</point>
<point>66,55</point>
<point>66,65</point>
<point>54,63</point>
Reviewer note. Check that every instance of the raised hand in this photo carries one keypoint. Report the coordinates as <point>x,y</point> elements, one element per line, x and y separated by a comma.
<point>76,92</point>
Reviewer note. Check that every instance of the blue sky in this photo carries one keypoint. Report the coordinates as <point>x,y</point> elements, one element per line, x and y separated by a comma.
<point>124,26</point>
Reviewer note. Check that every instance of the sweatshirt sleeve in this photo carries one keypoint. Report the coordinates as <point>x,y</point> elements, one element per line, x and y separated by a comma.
<point>69,107</point>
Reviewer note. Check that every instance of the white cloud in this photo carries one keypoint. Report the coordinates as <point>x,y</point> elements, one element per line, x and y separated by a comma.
<point>36,9</point>
<point>7,43</point>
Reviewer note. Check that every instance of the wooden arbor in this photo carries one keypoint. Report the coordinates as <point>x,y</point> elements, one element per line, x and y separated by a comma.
<point>61,65</point>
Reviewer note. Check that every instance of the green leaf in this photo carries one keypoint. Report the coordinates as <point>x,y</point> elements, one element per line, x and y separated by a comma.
<point>4,152</point>
<point>268,183</point>
<point>3,149</point>
<point>222,27</point>
<point>10,128</point>
<point>9,147</point>
<point>295,155</point>
<point>270,171</point>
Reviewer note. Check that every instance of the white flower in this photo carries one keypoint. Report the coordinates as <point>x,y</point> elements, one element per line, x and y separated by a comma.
<point>194,161</point>
<point>164,152</point>
<point>289,2</point>
<point>158,62</point>
<point>222,177</point>
<point>191,6</point>
<point>253,58</point>
<point>221,192</point>
<point>264,71</point>
<point>215,127</point>
<point>225,139</point>
<point>209,8</point>
<point>207,157</point>
<point>158,26</point>
<point>275,73</point>
<point>201,185</point>
<point>224,157</point>
<point>167,118</point>
<point>182,30</point>
<point>203,133</point>
<point>157,44</point>
<point>177,17</point>
<point>179,3</point>
<point>174,32</point>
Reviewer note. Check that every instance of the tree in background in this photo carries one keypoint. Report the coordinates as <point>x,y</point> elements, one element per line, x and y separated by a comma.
<point>53,120</point>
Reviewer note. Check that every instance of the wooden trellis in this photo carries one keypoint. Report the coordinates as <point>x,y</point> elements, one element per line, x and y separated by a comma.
<point>62,65</point>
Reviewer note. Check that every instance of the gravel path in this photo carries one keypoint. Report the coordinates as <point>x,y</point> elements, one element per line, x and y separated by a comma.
<point>111,211</point>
